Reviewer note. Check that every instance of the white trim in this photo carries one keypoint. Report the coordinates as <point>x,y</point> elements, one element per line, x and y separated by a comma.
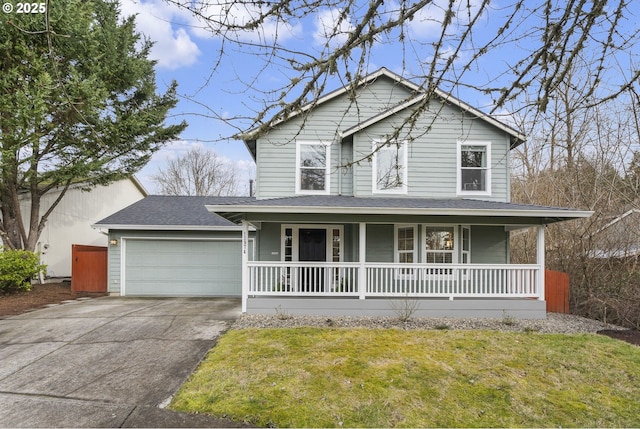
<point>462,251</point>
<point>481,281</point>
<point>540,261</point>
<point>327,168</point>
<point>416,241</point>
<point>295,239</point>
<point>244,266</point>
<point>124,227</point>
<point>516,135</point>
<point>454,252</point>
<point>287,209</point>
<point>379,145</point>
<point>123,246</point>
<point>362,260</point>
<point>459,190</point>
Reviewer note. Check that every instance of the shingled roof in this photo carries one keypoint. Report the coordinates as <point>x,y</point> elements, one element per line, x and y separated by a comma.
<point>171,212</point>
<point>348,205</point>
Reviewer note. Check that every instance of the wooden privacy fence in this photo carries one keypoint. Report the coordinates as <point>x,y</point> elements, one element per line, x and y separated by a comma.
<point>556,291</point>
<point>88,268</point>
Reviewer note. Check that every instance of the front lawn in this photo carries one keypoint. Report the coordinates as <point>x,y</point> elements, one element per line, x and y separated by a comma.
<point>321,377</point>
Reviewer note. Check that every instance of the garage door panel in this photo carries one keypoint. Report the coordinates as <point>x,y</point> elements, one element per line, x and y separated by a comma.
<point>182,268</point>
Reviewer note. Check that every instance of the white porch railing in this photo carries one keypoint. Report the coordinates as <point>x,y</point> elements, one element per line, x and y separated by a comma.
<point>394,280</point>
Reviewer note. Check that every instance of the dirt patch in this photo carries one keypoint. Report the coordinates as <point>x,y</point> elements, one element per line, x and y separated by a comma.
<point>39,297</point>
<point>630,336</point>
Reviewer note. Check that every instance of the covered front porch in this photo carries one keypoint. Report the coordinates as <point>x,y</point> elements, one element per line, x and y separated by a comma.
<point>379,261</point>
<point>424,289</point>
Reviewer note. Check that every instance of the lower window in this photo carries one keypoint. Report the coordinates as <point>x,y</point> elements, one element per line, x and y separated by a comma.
<point>439,244</point>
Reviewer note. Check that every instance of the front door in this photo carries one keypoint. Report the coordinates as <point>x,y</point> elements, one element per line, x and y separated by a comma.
<point>313,245</point>
<point>312,248</point>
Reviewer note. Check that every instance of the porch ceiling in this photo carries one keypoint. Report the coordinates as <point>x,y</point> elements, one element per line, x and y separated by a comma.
<point>354,209</point>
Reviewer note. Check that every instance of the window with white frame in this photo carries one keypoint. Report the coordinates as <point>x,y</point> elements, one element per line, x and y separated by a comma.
<point>466,244</point>
<point>390,167</point>
<point>312,169</point>
<point>290,241</point>
<point>439,244</point>
<point>405,247</point>
<point>474,168</point>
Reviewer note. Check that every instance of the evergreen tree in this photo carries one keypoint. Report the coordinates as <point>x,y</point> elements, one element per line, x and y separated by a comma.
<point>79,103</point>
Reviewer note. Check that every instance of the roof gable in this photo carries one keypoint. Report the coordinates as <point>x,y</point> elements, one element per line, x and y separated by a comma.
<point>419,95</point>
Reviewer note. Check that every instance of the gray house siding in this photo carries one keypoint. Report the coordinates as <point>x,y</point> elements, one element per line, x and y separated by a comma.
<point>432,156</point>
<point>432,152</point>
<point>276,152</point>
<point>379,243</point>
<point>344,171</point>
<point>270,243</point>
<point>489,245</point>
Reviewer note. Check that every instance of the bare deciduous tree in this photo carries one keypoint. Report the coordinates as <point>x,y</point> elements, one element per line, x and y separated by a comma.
<point>585,158</point>
<point>198,172</point>
<point>521,50</point>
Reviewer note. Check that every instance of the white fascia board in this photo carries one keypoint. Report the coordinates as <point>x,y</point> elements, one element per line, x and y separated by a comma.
<point>464,106</point>
<point>167,227</point>
<point>559,213</point>
<point>447,98</point>
<point>377,118</point>
<point>410,85</point>
<point>338,92</point>
<point>139,185</point>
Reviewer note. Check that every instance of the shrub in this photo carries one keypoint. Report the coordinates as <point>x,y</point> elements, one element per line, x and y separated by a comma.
<point>17,267</point>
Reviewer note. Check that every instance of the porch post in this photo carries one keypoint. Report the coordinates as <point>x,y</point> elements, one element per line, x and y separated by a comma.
<point>540,261</point>
<point>362,251</point>
<point>245,264</point>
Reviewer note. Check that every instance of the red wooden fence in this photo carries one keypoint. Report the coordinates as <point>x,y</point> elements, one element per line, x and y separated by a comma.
<point>556,291</point>
<point>88,268</point>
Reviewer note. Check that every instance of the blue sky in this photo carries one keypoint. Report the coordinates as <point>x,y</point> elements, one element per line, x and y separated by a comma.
<point>185,52</point>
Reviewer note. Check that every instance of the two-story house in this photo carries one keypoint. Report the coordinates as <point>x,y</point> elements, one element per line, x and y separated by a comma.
<point>355,214</point>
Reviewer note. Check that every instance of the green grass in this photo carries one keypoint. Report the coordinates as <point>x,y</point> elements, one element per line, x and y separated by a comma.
<point>312,377</point>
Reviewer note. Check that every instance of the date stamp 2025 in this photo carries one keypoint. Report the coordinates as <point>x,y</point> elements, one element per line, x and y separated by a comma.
<point>23,8</point>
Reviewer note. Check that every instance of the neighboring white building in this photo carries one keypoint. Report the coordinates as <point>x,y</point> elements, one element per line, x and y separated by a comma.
<point>70,223</point>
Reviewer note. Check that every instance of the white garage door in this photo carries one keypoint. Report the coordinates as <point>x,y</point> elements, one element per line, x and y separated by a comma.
<point>182,268</point>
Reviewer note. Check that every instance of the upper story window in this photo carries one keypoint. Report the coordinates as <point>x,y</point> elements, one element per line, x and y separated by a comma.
<point>390,167</point>
<point>312,168</point>
<point>474,168</point>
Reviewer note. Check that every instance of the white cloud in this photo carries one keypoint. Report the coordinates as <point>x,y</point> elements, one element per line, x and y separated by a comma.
<point>427,23</point>
<point>174,150</point>
<point>158,21</point>
<point>330,30</point>
<point>214,18</point>
<point>462,57</point>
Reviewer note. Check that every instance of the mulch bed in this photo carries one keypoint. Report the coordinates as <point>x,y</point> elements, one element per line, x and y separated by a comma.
<point>630,336</point>
<point>39,297</point>
<point>55,293</point>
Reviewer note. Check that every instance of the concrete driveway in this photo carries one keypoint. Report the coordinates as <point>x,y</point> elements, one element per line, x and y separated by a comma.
<point>106,362</point>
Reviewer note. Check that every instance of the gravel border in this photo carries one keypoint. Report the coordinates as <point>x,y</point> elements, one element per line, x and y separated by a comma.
<point>554,323</point>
